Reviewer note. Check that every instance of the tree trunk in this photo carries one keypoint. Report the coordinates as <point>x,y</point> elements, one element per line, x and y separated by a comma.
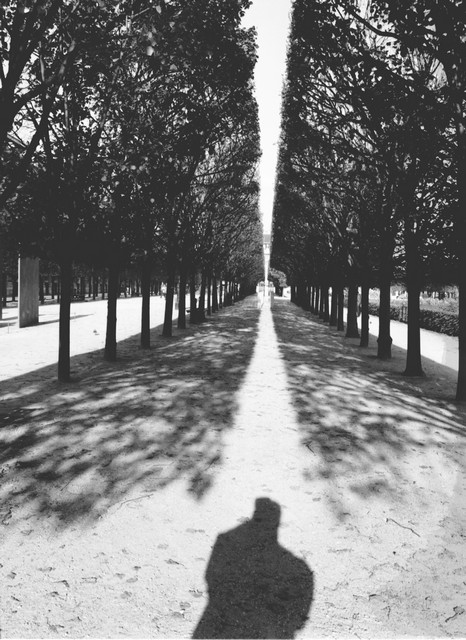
<point>386,248</point>
<point>301,295</point>
<point>334,307</point>
<point>214,295</point>
<point>220,293</point>
<point>317,300</point>
<point>3,292</point>
<point>384,340</point>
<point>145,306</point>
<point>169,298</point>
<point>41,291</point>
<point>201,310</point>
<point>321,302</point>
<point>364,314</point>
<point>209,295</point>
<point>352,330</point>
<point>66,274</point>
<point>110,352</point>
<point>193,311</point>
<point>182,299</point>
<point>413,281</point>
<point>340,308</point>
<point>326,305</point>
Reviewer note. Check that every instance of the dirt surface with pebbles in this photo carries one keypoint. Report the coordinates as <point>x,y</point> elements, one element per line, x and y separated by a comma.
<point>259,475</point>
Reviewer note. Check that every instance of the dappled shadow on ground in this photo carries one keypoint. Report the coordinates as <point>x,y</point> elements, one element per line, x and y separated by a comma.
<point>359,416</point>
<point>72,450</point>
<point>257,589</point>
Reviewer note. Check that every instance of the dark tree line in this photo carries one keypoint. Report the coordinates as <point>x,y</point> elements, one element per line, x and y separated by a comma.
<point>131,141</point>
<point>370,184</point>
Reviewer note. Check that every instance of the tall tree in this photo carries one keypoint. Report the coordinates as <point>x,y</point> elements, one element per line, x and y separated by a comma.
<point>361,111</point>
<point>437,29</point>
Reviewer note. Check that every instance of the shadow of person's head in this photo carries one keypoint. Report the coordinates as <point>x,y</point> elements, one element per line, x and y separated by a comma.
<point>265,519</point>
<point>267,511</point>
<point>257,588</point>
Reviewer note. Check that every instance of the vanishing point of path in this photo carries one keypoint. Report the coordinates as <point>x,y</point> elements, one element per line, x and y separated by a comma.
<point>319,492</point>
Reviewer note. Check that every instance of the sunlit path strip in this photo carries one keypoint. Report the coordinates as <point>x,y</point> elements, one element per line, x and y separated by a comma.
<point>267,419</point>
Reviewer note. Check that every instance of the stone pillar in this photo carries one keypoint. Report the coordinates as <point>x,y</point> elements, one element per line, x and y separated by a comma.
<point>28,296</point>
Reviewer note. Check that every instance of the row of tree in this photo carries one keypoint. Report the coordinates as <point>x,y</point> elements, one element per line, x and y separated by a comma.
<point>129,136</point>
<point>371,174</point>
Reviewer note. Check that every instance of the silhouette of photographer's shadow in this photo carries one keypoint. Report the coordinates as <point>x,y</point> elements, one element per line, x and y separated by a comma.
<point>257,589</point>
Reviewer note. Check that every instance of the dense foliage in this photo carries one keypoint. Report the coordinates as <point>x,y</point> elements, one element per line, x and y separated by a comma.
<point>131,141</point>
<point>431,319</point>
<point>368,189</point>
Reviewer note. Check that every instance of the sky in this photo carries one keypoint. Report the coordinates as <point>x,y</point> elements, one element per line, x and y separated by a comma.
<point>271,20</point>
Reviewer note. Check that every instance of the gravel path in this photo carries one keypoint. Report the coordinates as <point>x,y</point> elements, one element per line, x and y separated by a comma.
<point>319,492</point>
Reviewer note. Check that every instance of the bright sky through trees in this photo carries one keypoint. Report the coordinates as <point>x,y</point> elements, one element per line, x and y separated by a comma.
<point>271,20</point>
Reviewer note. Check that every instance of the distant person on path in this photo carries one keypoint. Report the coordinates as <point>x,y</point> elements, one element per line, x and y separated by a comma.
<point>257,589</point>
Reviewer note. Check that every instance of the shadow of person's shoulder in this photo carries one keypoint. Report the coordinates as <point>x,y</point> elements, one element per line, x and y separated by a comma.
<point>296,579</point>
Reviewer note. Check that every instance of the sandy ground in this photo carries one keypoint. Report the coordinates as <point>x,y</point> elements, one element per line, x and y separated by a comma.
<point>122,492</point>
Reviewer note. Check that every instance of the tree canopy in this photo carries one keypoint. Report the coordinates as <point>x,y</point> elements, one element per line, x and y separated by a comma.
<point>366,185</point>
<point>131,138</point>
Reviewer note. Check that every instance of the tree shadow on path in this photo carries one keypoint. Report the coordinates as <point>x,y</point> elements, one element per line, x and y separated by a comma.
<point>257,589</point>
<point>359,419</point>
<point>71,451</point>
